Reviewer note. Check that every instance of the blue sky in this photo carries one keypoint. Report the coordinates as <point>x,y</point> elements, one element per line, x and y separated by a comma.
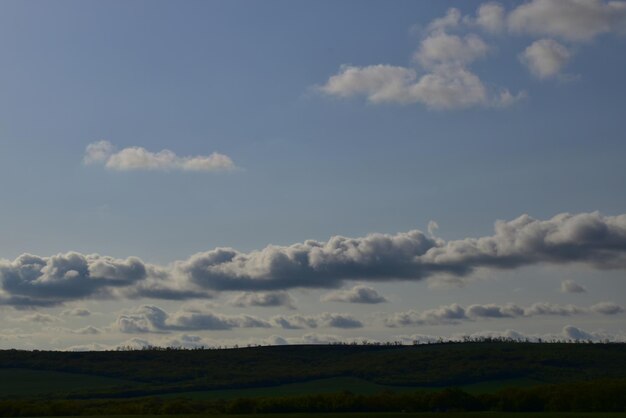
<point>327,119</point>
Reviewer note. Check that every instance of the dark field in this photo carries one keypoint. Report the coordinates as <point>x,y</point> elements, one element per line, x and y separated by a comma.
<point>473,376</point>
<point>400,415</point>
<point>483,366</point>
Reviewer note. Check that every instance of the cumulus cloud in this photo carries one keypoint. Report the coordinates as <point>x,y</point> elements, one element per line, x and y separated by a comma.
<point>76,312</point>
<point>325,319</point>
<point>314,338</point>
<point>46,281</point>
<point>98,152</point>
<point>154,319</point>
<point>573,333</point>
<point>550,309</point>
<point>263,299</point>
<point>607,308</point>
<point>446,87</point>
<point>453,314</point>
<point>570,286</point>
<point>490,17</point>
<point>444,49</point>
<point>442,78</point>
<point>545,58</point>
<point>88,330</point>
<point>573,20</point>
<point>494,311</point>
<point>587,238</point>
<point>294,321</point>
<point>358,294</point>
<point>40,318</point>
<point>450,20</point>
<point>444,81</point>
<point>138,158</point>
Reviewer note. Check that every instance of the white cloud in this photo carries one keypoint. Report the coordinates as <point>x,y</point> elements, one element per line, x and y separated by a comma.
<point>379,83</point>
<point>138,158</point>
<point>358,294</point>
<point>451,20</point>
<point>446,81</point>
<point>446,87</point>
<point>98,152</point>
<point>444,49</point>
<point>490,17</point>
<point>586,238</point>
<point>573,20</point>
<point>545,58</point>
<point>574,333</point>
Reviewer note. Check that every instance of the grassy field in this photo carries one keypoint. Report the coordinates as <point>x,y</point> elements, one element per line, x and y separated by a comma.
<point>477,376</point>
<point>24,382</point>
<point>339,384</point>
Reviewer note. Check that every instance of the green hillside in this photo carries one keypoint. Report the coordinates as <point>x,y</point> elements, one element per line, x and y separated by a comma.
<point>479,364</point>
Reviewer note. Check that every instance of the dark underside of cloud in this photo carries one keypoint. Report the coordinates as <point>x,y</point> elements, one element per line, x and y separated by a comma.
<point>588,238</point>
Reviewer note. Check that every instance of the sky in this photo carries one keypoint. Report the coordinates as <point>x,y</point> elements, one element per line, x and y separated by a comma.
<point>212,173</point>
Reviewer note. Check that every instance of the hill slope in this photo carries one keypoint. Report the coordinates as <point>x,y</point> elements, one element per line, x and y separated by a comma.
<point>435,365</point>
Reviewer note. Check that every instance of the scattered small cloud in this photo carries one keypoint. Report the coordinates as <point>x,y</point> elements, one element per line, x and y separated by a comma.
<point>442,78</point>
<point>139,158</point>
<point>545,58</point>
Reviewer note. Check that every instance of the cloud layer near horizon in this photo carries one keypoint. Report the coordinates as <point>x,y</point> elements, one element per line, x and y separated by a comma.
<point>588,238</point>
